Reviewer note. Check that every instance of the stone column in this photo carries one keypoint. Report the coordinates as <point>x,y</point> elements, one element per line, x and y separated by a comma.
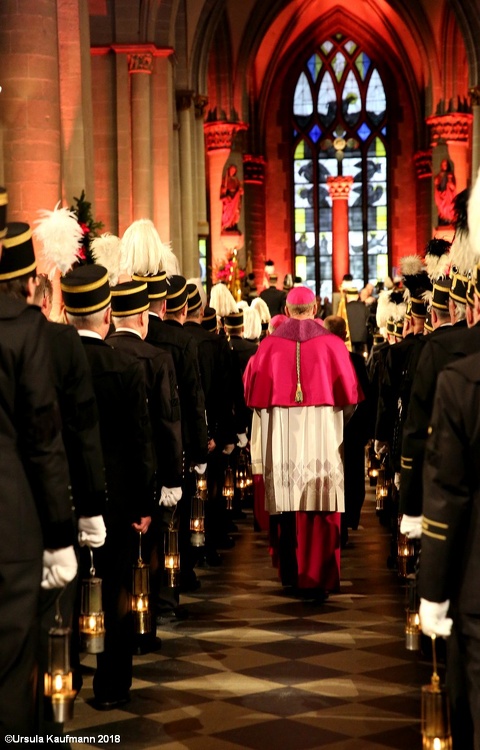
<point>76,100</point>
<point>475,101</point>
<point>30,106</point>
<point>140,66</point>
<point>255,225</point>
<point>188,214</point>
<point>200,166</point>
<point>339,190</point>
<point>219,139</point>
<point>423,168</point>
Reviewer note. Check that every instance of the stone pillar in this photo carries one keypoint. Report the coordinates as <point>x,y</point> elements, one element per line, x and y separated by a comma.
<point>219,139</point>
<point>339,190</point>
<point>188,214</point>
<point>76,100</point>
<point>255,225</point>
<point>475,102</point>
<point>140,65</point>
<point>30,107</point>
<point>200,167</point>
<point>450,139</point>
<point>423,168</point>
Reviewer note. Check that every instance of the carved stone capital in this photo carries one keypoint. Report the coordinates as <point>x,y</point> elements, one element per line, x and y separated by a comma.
<point>423,164</point>
<point>219,135</point>
<point>453,126</point>
<point>184,100</point>
<point>474,94</point>
<point>339,187</point>
<point>200,103</point>
<point>253,169</point>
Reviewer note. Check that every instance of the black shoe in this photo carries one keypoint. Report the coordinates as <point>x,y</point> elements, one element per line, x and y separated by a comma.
<point>189,583</point>
<point>146,644</point>
<point>226,542</point>
<point>109,705</point>
<point>213,559</point>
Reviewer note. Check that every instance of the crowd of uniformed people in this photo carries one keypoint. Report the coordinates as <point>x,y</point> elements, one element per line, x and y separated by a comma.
<point>118,410</point>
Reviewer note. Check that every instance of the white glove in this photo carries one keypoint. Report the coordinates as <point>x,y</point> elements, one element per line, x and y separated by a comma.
<point>396,480</point>
<point>229,448</point>
<point>380,447</point>
<point>91,531</point>
<point>200,468</point>
<point>170,496</point>
<point>242,440</point>
<point>411,526</point>
<point>433,618</point>
<point>59,567</point>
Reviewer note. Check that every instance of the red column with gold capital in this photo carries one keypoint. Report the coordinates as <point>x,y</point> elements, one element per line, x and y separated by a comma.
<point>219,137</point>
<point>339,189</point>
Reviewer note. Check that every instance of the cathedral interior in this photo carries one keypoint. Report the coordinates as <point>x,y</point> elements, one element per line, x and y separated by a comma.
<point>342,121</point>
<point>337,119</point>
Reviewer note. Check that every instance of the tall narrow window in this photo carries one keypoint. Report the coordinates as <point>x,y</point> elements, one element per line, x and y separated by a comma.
<point>339,128</point>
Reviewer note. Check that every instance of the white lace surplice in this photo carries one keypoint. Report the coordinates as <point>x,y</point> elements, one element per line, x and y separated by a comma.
<point>299,450</point>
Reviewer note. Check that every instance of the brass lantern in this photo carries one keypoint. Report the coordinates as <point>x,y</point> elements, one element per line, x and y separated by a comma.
<point>241,474</point>
<point>436,734</point>
<point>140,594</point>
<point>249,474</point>
<point>202,485</point>
<point>197,522</point>
<point>172,557</point>
<point>412,630</point>
<point>373,467</point>
<point>228,487</point>
<point>405,554</point>
<point>92,621</point>
<point>381,491</point>
<point>59,694</point>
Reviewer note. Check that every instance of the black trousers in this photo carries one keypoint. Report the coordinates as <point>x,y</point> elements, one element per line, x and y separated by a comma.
<point>463,681</point>
<point>19,593</point>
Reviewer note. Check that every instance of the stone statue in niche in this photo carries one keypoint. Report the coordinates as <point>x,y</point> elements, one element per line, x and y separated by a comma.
<point>231,194</point>
<point>445,191</point>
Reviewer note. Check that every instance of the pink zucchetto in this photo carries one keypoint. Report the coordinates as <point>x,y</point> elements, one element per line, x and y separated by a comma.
<point>300,295</point>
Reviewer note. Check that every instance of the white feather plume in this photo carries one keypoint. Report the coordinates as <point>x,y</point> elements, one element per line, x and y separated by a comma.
<point>60,237</point>
<point>222,300</point>
<point>144,253</point>
<point>437,266</point>
<point>261,306</point>
<point>410,265</point>
<point>106,252</point>
<point>473,214</point>
<point>462,257</point>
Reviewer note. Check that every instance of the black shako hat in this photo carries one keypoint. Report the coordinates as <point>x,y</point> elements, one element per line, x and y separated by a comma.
<point>209,321</point>
<point>3,212</point>
<point>129,298</point>
<point>176,293</point>
<point>193,297</point>
<point>234,321</point>
<point>441,293</point>
<point>156,284</point>
<point>85,289</point>
<point>17,257</point>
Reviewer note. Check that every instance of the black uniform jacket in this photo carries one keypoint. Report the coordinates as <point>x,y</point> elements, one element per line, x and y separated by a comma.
<point>119,384</point>
<point>35,501</point>
<point>163,404</point>
<point>80,426</point>
<point>275,300</point>
<point>400,364</point>
<point>171,336</point>
<point>215,372</point>
<point>450,559</point>
<point>442,346</point>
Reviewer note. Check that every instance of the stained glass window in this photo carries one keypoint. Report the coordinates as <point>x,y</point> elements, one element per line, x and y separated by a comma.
<point>339,127</point>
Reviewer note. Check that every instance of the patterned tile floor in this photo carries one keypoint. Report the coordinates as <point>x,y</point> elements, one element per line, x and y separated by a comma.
<point>255,669</point>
